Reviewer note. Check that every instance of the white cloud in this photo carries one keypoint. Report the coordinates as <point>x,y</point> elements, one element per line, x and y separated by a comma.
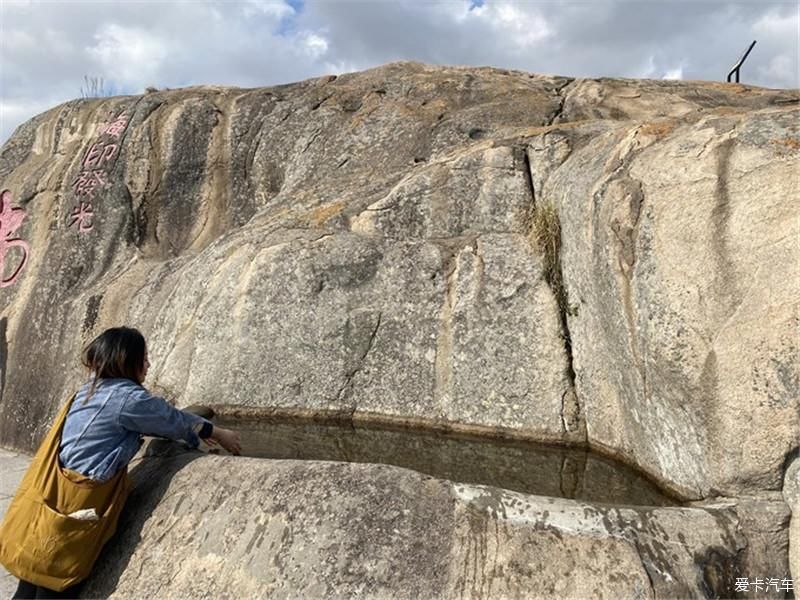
<point>276,9</point>
<point>780,68</point>
<point>129,55</point>
<point>775,24</point>
<point>15,112</point>
<point>775,56</point>
<point>337,68</point>
<point>314,45</point>
<point>21,40</point>
<point>676,73</point>
<point>46,48</point>
<point>649,69</point>
<point>521,22</point>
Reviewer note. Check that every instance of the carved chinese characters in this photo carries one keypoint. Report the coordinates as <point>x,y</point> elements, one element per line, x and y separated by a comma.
<point>10,220</point>
<point>98,155</point>
<point>95,167</point>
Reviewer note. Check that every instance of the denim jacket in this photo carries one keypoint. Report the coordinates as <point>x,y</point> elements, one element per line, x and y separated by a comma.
<point>102,435</point>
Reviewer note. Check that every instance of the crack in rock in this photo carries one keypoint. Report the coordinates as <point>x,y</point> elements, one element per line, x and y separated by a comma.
<point>444,341</point>
<point>352,372</point>
<point>562,96</point>
<point>570,411</point>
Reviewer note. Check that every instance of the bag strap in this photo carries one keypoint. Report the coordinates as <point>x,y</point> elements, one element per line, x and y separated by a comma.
<point>47,454</point>
<point>52,441</point>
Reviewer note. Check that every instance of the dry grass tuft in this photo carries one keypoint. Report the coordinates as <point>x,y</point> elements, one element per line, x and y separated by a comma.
<point>546,235</point>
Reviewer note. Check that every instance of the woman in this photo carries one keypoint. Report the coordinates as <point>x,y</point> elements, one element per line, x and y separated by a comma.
<point>100,434</point>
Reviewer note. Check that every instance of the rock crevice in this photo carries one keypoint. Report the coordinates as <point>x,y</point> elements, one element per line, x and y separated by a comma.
<point>546,232</point>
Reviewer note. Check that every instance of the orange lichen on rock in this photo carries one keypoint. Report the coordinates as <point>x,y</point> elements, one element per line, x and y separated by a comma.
<point>726,110</point>
<point>321,214</point>
<point>790,143</point>
<point>657,129</point>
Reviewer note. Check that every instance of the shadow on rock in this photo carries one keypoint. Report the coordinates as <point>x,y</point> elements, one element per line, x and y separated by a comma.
<point>151,474</point>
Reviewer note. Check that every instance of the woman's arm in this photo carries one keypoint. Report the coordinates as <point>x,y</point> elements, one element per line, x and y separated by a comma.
<point>152,415</point>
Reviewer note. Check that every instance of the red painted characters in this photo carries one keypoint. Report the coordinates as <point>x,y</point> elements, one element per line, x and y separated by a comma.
<point>82,215</point>
<point>99,154</point>
<point>117,127</point>
<point>11,220</point>
<point>95,167</point>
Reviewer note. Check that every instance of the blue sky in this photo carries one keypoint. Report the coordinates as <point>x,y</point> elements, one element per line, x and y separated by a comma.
<point>47,47</point>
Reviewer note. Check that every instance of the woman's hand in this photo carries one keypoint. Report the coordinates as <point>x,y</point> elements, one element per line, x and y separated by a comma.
<point>226,438</point>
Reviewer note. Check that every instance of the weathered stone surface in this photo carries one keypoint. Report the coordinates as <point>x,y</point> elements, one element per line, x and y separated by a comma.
<point>211,526</point>
<point>252,235</point>
<point>644,100</point>
<point>764,521</point>
<point>680,262</point>
<point>791,493</point>
<point>362,245</point>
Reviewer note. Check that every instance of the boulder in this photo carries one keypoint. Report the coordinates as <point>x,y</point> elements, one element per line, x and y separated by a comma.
<point>608,264</point>
<point>321,245</point>
<point>213,526</point>
<point>682,276</point>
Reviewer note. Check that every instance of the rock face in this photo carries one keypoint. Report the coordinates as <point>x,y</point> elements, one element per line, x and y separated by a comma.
<point>208,526</point>
<point>366,245</point>
<point>353,244</point>
<point>678,341</point>
<point>791,493</point>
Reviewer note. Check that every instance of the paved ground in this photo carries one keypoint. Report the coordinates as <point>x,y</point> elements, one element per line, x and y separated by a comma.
<point>12,468</point>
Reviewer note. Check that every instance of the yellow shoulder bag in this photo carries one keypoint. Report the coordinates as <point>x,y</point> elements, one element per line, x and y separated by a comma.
<point>39,542</point>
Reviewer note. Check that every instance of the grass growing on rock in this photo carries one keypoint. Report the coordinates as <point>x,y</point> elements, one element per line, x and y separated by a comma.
<point>546,236</point>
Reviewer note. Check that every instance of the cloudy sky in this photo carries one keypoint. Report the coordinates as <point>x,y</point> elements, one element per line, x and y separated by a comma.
<point>48,47</point>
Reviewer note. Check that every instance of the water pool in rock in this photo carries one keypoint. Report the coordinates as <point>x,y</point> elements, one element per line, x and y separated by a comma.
<point>521,466</point>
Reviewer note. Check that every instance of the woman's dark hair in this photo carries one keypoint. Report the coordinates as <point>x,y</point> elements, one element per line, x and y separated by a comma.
<point>118,352</point>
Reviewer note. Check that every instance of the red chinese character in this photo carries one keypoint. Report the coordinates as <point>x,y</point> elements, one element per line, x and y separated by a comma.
<point>83,216</point>
<point>98,154</point>
<point>88,182</point>
<point>10,221</point>
<point>117,127</point>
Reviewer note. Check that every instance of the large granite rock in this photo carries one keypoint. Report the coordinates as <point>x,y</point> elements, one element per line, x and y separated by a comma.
<point>680,258</point>
<point>366,245</point>
<point>252,236</point>
<point>219,527</point>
